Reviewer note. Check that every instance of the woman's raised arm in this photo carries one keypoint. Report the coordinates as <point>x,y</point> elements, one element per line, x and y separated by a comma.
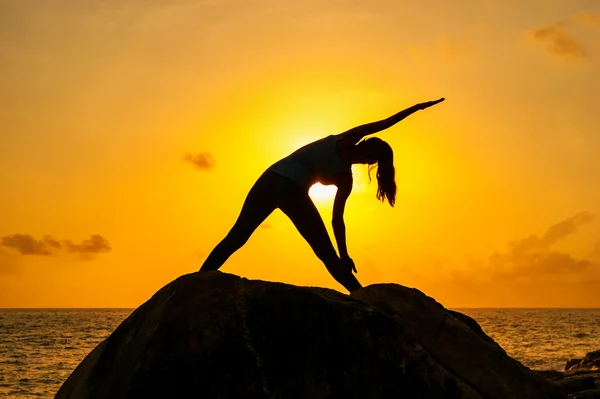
<point>356,134</point>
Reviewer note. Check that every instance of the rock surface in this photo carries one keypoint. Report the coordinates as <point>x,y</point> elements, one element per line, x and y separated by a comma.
<point>457,342</point>
<point>216,335</point>
<point>582,377</point>
<point>590,362</point>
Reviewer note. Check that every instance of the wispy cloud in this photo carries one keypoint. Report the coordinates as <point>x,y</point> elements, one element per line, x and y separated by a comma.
<point>201,160</point>
<point>52,242</point>
<point>565,228</point>
<point>88,248</point>
<point>25,244</point>
<point>534,256</point>
<point>560,42</point>
<point>536,270</point>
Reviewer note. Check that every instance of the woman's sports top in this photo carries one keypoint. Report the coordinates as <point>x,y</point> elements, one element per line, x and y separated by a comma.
<point>316,162</point>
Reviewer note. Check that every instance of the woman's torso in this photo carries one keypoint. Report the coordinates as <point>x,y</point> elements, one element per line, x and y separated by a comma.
<point>316,162</point>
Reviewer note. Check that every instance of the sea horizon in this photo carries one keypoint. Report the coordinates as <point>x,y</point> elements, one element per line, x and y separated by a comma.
<point>447,307</point>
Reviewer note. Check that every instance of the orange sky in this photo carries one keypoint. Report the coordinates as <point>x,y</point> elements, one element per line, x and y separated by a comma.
<point>100,101</point>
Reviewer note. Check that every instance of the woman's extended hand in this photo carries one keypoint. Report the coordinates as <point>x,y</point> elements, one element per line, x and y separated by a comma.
<point>349,262</point>
<point>431,103</point>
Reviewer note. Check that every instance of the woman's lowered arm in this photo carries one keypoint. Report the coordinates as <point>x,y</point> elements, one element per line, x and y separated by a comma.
<point>344,185</point>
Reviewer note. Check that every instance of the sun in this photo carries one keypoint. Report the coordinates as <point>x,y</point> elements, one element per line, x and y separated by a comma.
<point>319,192</point>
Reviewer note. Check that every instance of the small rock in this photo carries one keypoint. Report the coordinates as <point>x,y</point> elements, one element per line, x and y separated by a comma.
<point>591,361</point>
<point>571,363</point>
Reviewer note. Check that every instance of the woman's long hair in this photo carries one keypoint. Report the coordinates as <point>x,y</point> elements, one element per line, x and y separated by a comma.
<point>386,174</point>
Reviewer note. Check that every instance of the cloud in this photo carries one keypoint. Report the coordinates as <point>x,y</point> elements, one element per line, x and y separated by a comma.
<point>201,160</point>
<point>26,244</point>
<point>558,41</point>
<point>96,244</point>
<point>530,272</point>
<point>52,242</point>
<point>537,264</point>
<point>533,256</point>
<point>565,228</point>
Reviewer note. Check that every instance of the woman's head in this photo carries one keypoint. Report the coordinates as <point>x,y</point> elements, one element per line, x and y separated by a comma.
<point>376,151</point>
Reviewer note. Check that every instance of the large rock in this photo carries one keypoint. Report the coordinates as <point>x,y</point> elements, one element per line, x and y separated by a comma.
<point>215,335</point>
<point>458,343</point>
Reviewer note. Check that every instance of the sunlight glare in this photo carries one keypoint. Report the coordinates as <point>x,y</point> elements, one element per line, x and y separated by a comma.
<point>319,192</point>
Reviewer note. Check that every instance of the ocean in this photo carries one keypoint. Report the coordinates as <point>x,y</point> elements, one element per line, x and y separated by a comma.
<point>39,348</point>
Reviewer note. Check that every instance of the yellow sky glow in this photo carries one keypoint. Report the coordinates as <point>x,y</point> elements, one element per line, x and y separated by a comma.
<point>132,132</point>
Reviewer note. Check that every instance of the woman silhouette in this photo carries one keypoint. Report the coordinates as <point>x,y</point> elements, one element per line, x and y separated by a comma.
<point>285,185</point>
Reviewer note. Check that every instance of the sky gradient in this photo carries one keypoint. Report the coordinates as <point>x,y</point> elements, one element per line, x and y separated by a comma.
<point>132,131</point>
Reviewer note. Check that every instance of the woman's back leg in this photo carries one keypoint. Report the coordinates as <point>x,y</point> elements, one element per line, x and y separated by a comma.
<point>257,207</point>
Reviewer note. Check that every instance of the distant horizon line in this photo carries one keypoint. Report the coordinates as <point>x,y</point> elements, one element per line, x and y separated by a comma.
<point>450,308</point>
